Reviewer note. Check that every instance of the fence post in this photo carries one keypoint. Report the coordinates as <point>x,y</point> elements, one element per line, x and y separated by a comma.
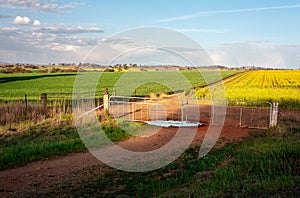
<point>44,102</point>
<point>274,115</point>
<point>106,100</point>
<point>241,116</point>
<point>26,104</point>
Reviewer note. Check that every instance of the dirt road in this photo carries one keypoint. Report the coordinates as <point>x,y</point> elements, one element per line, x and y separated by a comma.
<point>42,177</point>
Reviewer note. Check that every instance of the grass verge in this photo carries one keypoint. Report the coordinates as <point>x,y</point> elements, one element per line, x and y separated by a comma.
<point>265,164</point>
<point>44,141</point>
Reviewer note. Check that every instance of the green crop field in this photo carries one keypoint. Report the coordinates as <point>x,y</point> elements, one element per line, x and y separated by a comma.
<point>263,85</point>
<point>282,86</point>
<point>13,87</point>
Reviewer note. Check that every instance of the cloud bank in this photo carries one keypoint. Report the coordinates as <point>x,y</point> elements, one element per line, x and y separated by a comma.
<point>45,6</point>
<point>40,45</point>
<point>257,54</point>
<point>68,30</point>
<point>66,44</point>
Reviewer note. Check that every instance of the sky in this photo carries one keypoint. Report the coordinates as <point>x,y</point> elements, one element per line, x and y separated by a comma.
<point>234,32</point>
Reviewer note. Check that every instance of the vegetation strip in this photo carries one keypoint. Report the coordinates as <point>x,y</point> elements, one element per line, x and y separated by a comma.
<point>265,164</point>
<point>45,141</point>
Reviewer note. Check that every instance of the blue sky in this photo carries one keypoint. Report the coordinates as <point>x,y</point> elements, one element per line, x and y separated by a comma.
<point>233,32</point>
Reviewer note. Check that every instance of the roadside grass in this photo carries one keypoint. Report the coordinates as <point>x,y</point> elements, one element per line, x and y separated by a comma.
<point>45,140</point>
<point>264,164</point>
<point>261,166</point>
<point>37,143</point>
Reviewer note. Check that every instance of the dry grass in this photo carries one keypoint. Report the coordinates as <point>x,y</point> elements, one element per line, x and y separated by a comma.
<point>153,96</point>
<point>18,112</point>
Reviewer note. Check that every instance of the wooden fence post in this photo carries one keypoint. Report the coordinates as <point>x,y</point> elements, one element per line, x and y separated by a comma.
<point>44,103</point>
<point>274,114</point>
<point>26,104</point>
<point>106,100</point>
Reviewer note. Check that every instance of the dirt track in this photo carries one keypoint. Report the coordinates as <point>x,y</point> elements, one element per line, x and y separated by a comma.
<point>42,177</point>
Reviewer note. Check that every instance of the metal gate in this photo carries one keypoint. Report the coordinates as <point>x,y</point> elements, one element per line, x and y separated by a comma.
<point>251,114</point>
<point>149,109</point>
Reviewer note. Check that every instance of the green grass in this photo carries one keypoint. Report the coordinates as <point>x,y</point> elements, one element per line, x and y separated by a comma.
<point>261,165</point>
<point>37,143</point>
<point>15,86</point>
<point>44,141</point>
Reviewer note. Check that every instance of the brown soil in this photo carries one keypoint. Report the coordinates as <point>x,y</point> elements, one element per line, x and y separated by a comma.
<point>43,177</point>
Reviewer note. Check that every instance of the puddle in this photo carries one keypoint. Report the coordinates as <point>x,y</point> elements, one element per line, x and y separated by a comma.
<point>173,123</point>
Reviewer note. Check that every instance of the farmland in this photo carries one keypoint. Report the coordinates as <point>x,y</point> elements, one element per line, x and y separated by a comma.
<point>13,87</point>
<point>264,164</point>
<point>261,85</point>
<point>264,85</point>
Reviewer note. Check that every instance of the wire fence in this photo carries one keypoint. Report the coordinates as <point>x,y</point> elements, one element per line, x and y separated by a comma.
<point>49,105</point>
<point>252,114</point>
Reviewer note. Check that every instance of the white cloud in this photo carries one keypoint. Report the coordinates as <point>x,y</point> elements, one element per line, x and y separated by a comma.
<point>25,21</point>
<point>214,12</point>
<point>68,30</point>
<point>9,29</point>
<point>33,45</point>
<point>64,47</point>
<point>129,48</point>
<point>30,45</point>
<point>36,23</point>
<point>21,20</point>
<point>45,5</point>
<point>258,54</point>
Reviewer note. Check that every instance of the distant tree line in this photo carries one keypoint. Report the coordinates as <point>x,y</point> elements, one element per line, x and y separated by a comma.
<point>85,67</point>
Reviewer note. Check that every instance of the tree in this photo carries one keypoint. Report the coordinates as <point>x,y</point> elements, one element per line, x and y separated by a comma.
<point>119,68</point>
